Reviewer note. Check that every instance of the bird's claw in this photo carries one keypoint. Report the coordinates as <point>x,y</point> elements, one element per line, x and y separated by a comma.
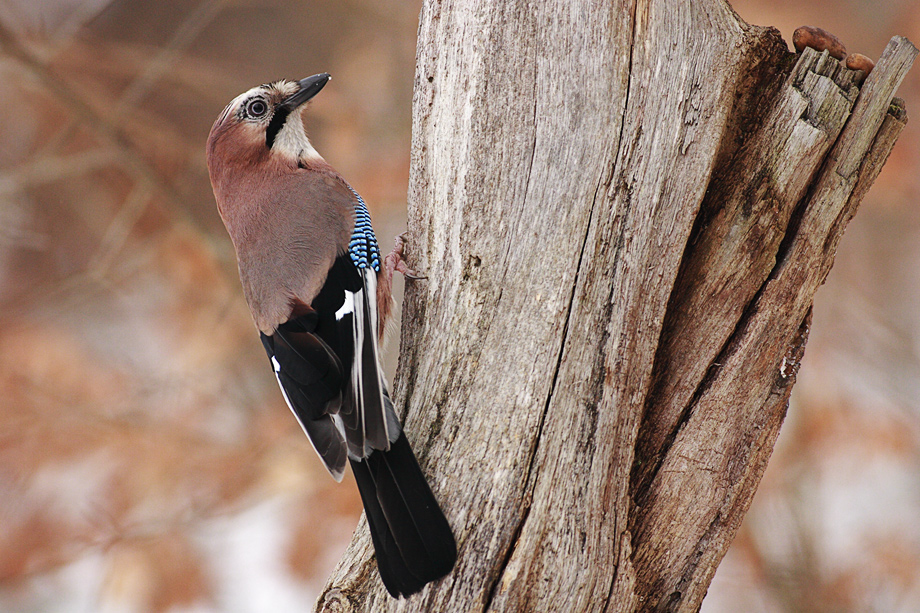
<point>394,261</point>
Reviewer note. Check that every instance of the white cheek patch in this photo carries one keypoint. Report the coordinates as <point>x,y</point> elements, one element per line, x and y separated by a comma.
<point>348,306</point>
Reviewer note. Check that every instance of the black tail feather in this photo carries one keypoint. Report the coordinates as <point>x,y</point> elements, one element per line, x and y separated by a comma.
<point>412,539</point>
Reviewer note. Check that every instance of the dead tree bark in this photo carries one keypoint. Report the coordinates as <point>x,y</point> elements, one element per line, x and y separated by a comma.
<point>624,211</point>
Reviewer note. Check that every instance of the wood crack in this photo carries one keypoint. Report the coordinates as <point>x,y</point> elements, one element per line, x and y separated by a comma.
<point>739,237</point>
<point>724,435</point>
<point>528,493</point>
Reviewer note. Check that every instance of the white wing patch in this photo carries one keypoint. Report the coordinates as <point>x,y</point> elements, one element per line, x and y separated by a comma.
<point>347,307</point>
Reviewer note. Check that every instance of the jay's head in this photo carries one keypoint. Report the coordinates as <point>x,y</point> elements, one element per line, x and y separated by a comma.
<point>264,124</point>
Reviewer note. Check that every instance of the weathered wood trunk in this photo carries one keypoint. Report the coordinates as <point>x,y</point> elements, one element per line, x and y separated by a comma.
<point>624,211</point>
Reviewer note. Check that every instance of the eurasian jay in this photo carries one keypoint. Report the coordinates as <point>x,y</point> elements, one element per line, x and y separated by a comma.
<point>311,273</point>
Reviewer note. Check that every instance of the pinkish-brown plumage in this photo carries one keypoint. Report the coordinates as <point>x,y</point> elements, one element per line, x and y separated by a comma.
<point>286,238</point>
<point>296,202</point>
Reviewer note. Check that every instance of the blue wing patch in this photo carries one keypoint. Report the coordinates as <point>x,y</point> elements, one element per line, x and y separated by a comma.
<point>363,247</point>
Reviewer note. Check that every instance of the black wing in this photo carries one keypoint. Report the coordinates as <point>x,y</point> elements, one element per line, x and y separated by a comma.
<point>327,366</point>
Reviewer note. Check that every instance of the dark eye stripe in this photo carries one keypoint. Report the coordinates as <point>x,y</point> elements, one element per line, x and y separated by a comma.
<point>275,125</point>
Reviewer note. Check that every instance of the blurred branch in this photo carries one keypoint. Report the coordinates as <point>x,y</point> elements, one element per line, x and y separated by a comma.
<point>66,32</point>
<point>118,230</point>
<point>14,227</point>
<point>226,492</point>
<point>110,132</point>
<point>50,168</point>
<point>187,32</point>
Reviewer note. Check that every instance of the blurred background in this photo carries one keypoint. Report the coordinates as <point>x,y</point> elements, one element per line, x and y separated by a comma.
<point>147,461</point>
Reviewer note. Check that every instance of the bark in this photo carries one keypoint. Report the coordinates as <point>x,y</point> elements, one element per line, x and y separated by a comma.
<point>624,211</point>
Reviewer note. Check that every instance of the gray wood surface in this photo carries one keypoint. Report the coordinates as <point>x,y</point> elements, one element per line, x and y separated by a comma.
<point>624,211</point>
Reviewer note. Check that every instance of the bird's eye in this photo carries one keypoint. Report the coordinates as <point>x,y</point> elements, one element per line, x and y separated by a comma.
<point>256,108</point>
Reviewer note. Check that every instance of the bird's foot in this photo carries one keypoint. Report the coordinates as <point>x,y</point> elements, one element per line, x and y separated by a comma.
<point>394,261</point>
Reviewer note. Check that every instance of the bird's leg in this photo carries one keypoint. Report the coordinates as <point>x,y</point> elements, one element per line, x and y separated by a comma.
<point>394,261</point>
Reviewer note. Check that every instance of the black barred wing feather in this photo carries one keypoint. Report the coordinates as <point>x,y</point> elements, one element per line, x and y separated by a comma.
<point>326,362</point>
<point>347,322</point>
<point>310,376</point>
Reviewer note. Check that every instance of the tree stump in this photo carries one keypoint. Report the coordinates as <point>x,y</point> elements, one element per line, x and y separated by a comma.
<point>624,211</point>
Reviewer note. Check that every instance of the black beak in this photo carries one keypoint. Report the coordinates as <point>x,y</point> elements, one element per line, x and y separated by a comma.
<point>309,87</point>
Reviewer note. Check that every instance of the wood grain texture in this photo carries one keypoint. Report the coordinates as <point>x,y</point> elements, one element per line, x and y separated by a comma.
<point>623,226</point>
<point>706,479</point>
<point>742,221</point>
